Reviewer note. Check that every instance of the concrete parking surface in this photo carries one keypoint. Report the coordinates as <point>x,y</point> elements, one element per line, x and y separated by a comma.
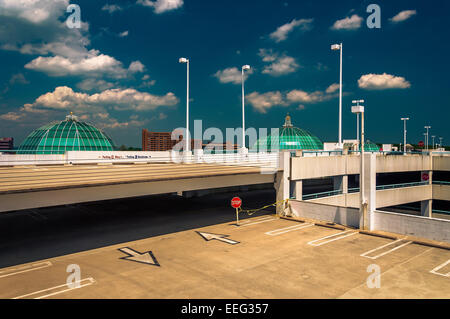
<point>265,257</point>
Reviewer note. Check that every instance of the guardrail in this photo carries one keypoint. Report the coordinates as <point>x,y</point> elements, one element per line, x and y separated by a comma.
<point>356,190</point>
<point>74,157</point>
<point>322,195</point>
<point>404,185</point>
<point>440,183</point>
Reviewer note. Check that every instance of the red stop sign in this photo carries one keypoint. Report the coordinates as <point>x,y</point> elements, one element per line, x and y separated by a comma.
<point>421,144</point>
<point>236,202</point>
<point>425,177</point>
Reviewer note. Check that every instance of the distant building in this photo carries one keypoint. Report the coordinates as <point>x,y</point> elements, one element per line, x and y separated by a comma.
<point>162,141</point>
<point>158,141</point>
<point>6,143</point>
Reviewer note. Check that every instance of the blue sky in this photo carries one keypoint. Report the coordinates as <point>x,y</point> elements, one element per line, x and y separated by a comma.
<point>120,70</point>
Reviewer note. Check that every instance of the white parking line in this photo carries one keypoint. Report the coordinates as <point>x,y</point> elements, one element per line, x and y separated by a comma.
<point>258,221</point>
<point>338,236</point>
<point>435,270</point>
<point>384,246</point>
<point>87,282</point>
<point>281,231</point>
<point>27,268</point>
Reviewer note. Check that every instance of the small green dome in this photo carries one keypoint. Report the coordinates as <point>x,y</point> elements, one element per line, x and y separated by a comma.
<point>289,138</point>
<point>68,135</point>
<point>371,147</point>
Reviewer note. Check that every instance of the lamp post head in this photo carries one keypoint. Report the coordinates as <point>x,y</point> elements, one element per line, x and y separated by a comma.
<point>404,119</point>
<point>183,60</point>
<point>336,47</point>
<point>246,67</point>
<point>357,109</point>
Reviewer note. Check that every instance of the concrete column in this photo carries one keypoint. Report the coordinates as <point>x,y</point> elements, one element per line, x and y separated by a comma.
<point>282,183</point>
<point>341,183</point>
<point>370,191</point>
<point>426,208</point>
<point>299,190</point>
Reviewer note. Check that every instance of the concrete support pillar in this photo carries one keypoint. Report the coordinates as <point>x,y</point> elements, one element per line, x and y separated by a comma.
<point>369,194</point>
<point>341,183</point>
<point>299,190</point>
<point>426,208</point>
<point>282,183</point>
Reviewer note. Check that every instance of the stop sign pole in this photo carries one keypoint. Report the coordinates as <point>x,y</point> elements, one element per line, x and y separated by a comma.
<point>236,203</point>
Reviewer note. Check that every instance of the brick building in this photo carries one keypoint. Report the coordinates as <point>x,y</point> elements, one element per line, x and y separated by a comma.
<point>6,143</point>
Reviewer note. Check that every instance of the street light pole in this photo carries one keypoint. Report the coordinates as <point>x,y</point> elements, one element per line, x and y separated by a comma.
<point>339,47</point>
<point>245,67</point>
<point>404,119</point>
<point>433,137</point>
<point>359,109</point>
<point>187,147</point>
<point>427,134</point>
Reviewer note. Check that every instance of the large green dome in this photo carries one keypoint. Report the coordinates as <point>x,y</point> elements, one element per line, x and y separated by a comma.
<point>289,138</point>
<point>68,135</point>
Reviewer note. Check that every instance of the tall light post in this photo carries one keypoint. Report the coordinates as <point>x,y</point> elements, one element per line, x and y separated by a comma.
<point>357,118</point>
<point>427,134</point>
<point>187,137</point>
<point>336,47</point>
<point>433,137</point>
<point>440,142</point>
<point>404,119</point>
<point>244,68</point>
<point>359,109</point>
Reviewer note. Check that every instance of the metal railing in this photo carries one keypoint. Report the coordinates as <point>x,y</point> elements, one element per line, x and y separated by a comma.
<point>356,190</point>
<point>404,185</point>
<point>440,183</point>
<point>322,195</point>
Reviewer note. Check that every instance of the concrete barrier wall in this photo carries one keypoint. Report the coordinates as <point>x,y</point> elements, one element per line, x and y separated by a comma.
<point>441,192</point>
<point>403,163</point>
<point>344,200</point>
<point>388,197</point>
<point>327,213</point>
<point>86,157</point>
<point>31,159</point>
<point>400,196</point>
<point>317,167</point>
<point>430,228</point>
<point>441,163</point>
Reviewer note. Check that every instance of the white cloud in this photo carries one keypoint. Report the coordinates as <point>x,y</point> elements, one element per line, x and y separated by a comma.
<point>34,11</point>
<point>161,6</point>
<point>95,64</point>
<point>263,102</point>
<point>111,8</point>
<point>332,88</point>
<point>136,66</point>
<point>281,64</point>
<point>403,15</point>
<point>18,78</point>
<point>231,75</point>
<point>382,82</point>
<point>123,34</point>
<point>63,51</point>
<point>63,100</point>
<point>352,23</point>
<point>282,32</point>
<point>94,85</point>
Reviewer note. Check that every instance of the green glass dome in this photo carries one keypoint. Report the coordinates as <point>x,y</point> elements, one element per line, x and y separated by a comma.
<point>68,135</point>
<point>289,138</point>
<point>371,147</point>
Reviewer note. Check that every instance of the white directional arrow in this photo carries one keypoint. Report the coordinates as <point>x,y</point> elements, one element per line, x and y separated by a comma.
<point>209,236</point>
<point>144,258</point>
